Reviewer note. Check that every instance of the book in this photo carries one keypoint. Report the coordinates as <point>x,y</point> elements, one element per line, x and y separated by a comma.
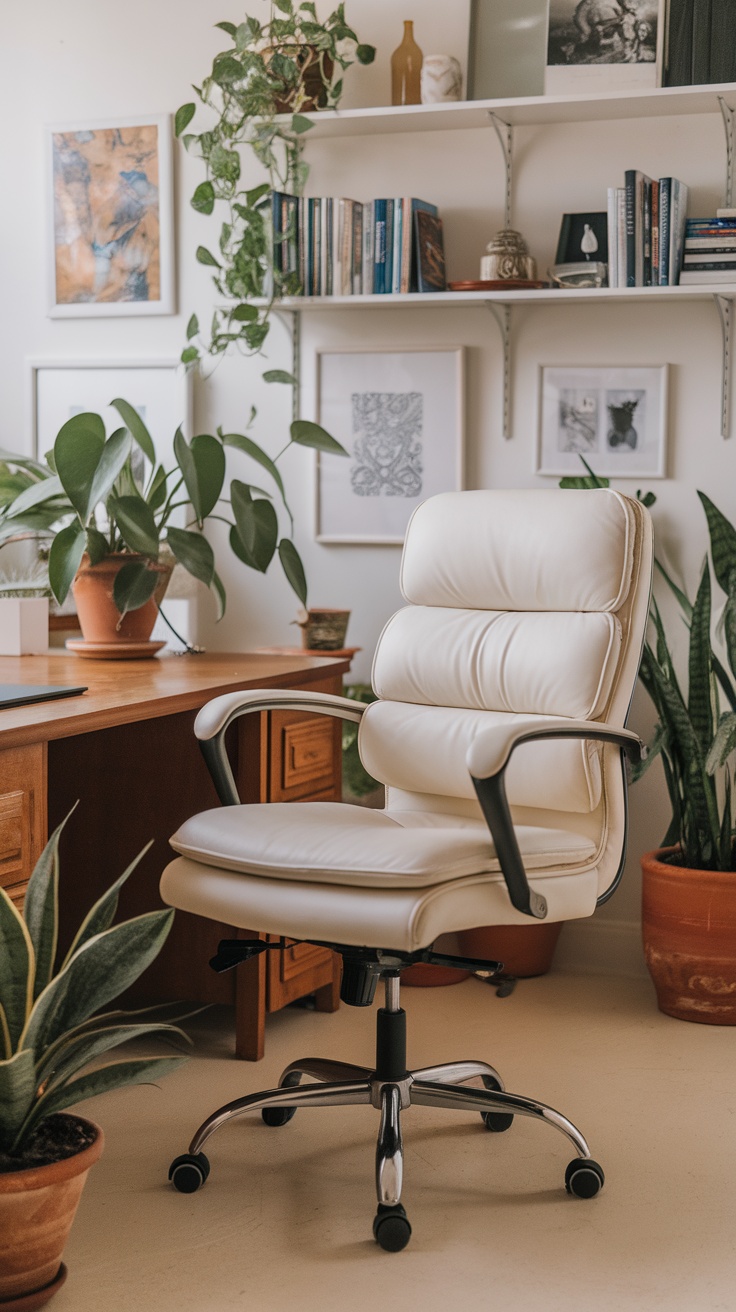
<point>665,190</point>
<point>612,239</point>
<point>430,252</point>
<point>388,267</point>
<point>637,183</point>
<point>406,243</point>
<point>417,207</point>
<point>721,261</point>
<point>692,277</point>
<point>379,246</point>
<point>621,236</point>
<point>655,233</point>
<point>710,243</point>
<point>646,230</point>
<point>678,218</point>
<point>367,274</point>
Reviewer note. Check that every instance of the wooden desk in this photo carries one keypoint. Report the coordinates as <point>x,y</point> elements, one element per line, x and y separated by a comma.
<point>126,750</point>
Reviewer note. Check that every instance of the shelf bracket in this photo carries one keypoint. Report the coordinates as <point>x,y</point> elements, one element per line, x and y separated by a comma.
<point>724,305</point>
<point>728,127</point>
<point>502,315</point>
<point>292,320</point>
<point>505,134</point>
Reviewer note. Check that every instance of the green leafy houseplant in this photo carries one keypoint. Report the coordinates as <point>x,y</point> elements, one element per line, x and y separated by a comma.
<point>51,1022</point>
<point>92,498</point>
<point>286,64</point>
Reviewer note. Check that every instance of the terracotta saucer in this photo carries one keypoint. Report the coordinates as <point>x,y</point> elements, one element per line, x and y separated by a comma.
<point>113,651</point>
<point>39,1297</point>
<point>497,285</point>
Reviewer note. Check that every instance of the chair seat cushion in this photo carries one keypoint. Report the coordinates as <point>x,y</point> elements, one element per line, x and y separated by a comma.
<point>332,843</point>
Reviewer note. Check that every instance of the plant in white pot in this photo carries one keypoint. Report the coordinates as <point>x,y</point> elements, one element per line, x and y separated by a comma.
<point>24,612</point>
<point>52,1026</point>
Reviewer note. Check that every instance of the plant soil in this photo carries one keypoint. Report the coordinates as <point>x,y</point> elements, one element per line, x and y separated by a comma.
<point>56,1138</point>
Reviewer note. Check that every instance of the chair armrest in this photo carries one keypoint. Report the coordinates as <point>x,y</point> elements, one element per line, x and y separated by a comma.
<point>214,718</point>
<point>487,759</point>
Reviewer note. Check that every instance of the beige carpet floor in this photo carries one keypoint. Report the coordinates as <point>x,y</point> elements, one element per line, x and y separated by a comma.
<point>284,1221</point>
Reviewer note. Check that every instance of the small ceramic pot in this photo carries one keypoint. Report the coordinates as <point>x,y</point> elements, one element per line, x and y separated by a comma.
<point>441,79</point>
<point>507,257</point>
<point>324,630</point>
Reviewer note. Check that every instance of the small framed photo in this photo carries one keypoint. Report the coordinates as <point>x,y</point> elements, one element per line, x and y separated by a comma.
<point>399,414</point>
<point>583,237</point>
<point>604,45</point>
<point>111,218</point>
<point>615,417</point>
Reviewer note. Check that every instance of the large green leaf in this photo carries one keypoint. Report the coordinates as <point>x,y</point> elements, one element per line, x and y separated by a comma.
<point>136,428</point>
<point>194,552</point>
<point>17,968</point>
<point>305,433</point>
<point>183,117</point>
<point>156,491</point>
<point>101,915</point>
<point>114,455</point>
<point>699,701</point>
<point>724,743</point>
<point>41,908</point>
<point>78,1052</point>
<point>100,970</point>
<point>134,585</point>
<point>209,463</point>
<point>218,591</point>
<point>256,527</point>
<point>293,568</point>
<point>17,1092</point>
<point>134,518</point>
<point>77,451</point>
<point>44,490</point>
<point>65,556</point>
<point>141,1070</point>
<point>250,448</point>
<point>722,541</point>
<point>185,460</point>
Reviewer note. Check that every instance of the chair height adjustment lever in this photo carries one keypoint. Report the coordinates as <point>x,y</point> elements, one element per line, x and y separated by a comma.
<point>232,951</point>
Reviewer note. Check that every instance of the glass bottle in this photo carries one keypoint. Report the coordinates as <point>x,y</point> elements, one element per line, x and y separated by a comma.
<point>406,67</point>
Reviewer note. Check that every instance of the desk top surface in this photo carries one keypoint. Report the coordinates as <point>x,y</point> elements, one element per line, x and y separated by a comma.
<point>120,692</point>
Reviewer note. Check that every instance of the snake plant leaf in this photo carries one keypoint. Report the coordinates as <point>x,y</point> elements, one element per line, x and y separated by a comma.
<point>141,1070</point>
<point>639,768</point>
<point>41,909</point>
<point>136,428</point>
<point>35,495</point>
<point>17,969</point>
<point>17,1091</point>
<point>73,1056</point>
<point>724,743</point>
<point>134,518</point>
<point>65,557</point>
<point>194,552</point>
<point>77,451</point>
<point>699,705</point>
<point>134,586</point>
<point>101,915</point>
<point>305,433</point>
<point>209,463</point>
<point>99,970</point>
<point>722,542</point>
<point>684,602</point>
<point>726,852</point>
<point>291,563</point>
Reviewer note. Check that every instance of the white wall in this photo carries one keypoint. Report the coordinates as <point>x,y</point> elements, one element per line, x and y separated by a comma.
<point>83,59</point>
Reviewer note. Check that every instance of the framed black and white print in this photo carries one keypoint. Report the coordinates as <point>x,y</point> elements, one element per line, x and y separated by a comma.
<point>604,45</point>
<point>399,414</point>
<point>616,418</point>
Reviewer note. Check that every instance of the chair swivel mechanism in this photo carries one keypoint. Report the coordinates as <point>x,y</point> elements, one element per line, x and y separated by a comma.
<point>499,732</point>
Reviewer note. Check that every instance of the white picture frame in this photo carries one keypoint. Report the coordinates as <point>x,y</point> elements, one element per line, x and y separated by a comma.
<point>110,228</point>
<point>589,52</point>
<point>412,398</point>
<point>614,416</point>
<point>159,388</point>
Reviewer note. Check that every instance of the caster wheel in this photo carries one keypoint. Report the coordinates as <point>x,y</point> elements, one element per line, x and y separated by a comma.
<point>391,1229</point>
<point>189,1172</point>
<point>496,1121</point>
<point>584,1178</point>
<point>277,1115</point>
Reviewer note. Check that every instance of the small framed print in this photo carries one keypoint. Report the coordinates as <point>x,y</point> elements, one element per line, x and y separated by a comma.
<point>399,414</point>
<point>604,45</point>
<point>616,418</point>
<point>111,219</point>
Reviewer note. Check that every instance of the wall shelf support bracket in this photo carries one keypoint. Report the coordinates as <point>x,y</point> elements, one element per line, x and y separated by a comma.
<point>292,320</point>
<point>724,305</point>
<point>502,315</point>
<point>505,134</point>
<point>728,126</point>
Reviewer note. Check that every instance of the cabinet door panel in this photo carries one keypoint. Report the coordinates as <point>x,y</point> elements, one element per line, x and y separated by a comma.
<point>22,816</point>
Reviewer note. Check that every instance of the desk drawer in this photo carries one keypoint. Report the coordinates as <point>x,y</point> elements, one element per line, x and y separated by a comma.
<point>22,816</point>
<point>306,756</point>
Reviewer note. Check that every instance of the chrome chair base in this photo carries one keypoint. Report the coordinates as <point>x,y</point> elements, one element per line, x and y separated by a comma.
<point>338,1084</point>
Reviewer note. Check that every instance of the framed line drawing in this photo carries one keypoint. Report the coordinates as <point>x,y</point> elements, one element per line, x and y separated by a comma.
<point>111,218</point>
<point>616,417</point>
<point>159,389</point>
<point>400,415</point>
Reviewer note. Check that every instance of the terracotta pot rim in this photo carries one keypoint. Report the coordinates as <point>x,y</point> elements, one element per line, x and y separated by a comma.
<point>116,559</point>
<point>652,861</point>
<point>40,1177</point>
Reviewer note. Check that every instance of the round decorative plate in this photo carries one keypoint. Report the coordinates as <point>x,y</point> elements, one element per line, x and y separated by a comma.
<point>113,651</point>
<point>497,285</point>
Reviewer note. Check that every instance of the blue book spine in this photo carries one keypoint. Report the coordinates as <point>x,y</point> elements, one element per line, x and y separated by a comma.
<point>665,188</point>
<point>379,246</point>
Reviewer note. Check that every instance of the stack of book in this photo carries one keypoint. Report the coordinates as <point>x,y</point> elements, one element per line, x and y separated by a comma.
<point>646,231</point>
<point>710,250</point>
<point>332,246</point>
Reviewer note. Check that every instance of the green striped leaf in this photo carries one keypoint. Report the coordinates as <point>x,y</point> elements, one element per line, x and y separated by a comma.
<point>699,701</point>
<point>17,969</point>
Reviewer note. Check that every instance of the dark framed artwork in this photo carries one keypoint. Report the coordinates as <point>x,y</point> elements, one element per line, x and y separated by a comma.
<point>583,237</point>
<point>604,45</point>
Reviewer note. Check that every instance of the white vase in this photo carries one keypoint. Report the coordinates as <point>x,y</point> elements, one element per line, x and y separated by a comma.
<point>441,79</point>
<point>24,626</point>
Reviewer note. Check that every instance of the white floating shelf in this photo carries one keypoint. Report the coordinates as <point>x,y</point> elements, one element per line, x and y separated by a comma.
<point>550,296</point>
<point>521,112</point>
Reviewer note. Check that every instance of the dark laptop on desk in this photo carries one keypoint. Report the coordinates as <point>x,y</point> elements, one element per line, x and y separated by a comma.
<point>19,694</point>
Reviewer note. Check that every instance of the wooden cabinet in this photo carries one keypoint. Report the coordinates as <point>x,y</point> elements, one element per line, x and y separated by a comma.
<point>22,816</point>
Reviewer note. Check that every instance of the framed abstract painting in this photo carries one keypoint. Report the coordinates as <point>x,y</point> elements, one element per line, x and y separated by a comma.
<point>111,228</point>
<point>399,414</point>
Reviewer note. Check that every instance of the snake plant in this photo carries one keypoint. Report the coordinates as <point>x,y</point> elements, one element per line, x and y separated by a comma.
<point>51,1022</point>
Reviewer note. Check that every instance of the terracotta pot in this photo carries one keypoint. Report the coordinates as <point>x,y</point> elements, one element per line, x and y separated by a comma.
<point>524,950</point>
<point>37,1208</point>
<point>423,976</point>
<point>689,929</point>
<point>99,617</point>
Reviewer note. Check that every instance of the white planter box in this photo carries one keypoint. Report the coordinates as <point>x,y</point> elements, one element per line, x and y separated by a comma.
<point>24,626</point>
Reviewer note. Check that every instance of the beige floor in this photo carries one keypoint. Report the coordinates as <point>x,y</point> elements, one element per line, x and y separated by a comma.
<point>285,1219</point>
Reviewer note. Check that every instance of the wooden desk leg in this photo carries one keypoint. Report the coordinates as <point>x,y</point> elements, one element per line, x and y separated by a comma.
<point>250,1005</point>
<point>328,997</point>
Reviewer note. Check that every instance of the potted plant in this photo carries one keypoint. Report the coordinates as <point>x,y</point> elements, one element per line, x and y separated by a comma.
<point>51,1027</point>
<point>108,505</point>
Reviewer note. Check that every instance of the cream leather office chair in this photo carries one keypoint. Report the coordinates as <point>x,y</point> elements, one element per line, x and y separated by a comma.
<point>503,691</point>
